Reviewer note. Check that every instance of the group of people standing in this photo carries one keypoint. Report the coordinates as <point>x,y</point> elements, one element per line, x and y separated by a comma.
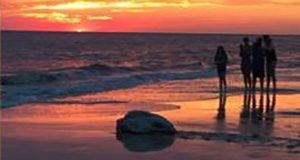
<point>257,61</point>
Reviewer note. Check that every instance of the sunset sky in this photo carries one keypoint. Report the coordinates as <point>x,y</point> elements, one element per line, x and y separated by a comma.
<point>205,16</point>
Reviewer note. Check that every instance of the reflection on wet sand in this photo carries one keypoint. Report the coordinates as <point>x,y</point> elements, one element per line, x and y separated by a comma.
<point>145,143</point>
<point>245,113</point>
<point>270,116</point>
<point>221,110</point>
<point>257,113</point>
<point>75,131</point>
<point>253,120</point>
<point>221,114</point>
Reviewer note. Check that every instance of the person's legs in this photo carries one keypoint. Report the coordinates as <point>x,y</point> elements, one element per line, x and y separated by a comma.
<point>254,85</point>
<point>245,82</point>
<point>274,83</point>
<point>225,84</point>
<point>261,85</point>
<point>249,81</point>
<point>220,84</point>
<point>268,83</point>
<point>273,76</point>
<point>254,91</point>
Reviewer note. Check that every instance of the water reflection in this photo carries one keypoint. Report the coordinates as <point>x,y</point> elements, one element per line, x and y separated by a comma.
<point>256,117</point>
<point>221,115</point>
<point>257,113</point>
<point>245,113</point>
<point>270,116</point>
<point>221,110</point>
<point>145,143</point>
<point>254,120</point>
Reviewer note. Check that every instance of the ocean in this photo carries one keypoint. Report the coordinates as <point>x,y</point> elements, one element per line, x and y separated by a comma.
<point>41,66</point>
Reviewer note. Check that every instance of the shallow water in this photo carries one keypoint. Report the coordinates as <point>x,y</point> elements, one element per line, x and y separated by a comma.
<point>40,66</point>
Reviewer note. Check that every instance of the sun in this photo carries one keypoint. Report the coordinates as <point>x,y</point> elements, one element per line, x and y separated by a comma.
<point>79,30</point>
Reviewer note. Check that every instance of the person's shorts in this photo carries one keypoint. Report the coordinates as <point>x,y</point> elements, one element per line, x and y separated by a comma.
<point>221,70</point>
<point>246,69</point>
<point>258,69</point>
<point>258,73</point>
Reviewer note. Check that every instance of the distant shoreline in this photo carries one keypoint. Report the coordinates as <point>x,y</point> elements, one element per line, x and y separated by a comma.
<point>152,33</point>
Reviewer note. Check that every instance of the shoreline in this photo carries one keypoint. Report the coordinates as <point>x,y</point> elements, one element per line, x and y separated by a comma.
<point>56,100</point>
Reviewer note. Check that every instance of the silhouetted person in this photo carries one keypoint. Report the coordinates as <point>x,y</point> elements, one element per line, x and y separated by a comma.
<point>245,54</point>
<point>221,61</point>
<point>258,64</point>
<point>271,60</point>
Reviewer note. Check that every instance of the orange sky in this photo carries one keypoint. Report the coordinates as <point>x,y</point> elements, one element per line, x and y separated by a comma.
<point>222,16</point>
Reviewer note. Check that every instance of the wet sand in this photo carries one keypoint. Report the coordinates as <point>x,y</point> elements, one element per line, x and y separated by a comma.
<point>87,131</point>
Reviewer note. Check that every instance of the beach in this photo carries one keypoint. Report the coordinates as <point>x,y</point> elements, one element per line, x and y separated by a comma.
<point>62,93</point>
<point>79,131</point>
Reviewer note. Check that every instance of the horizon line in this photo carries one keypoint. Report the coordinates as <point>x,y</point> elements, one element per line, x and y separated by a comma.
<point>151,32</point>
